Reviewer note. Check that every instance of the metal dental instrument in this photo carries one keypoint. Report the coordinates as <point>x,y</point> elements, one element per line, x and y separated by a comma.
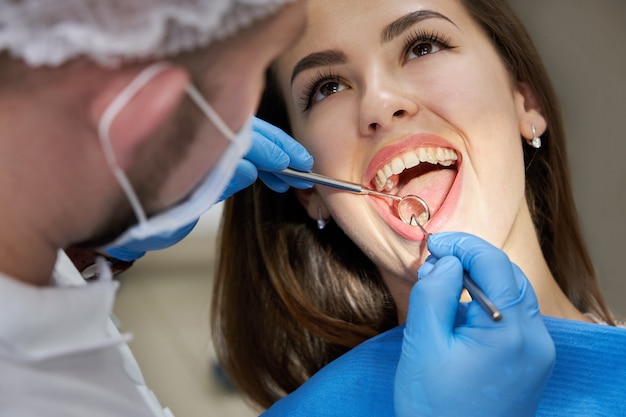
<point>407,204</point>
<point>469,284</point>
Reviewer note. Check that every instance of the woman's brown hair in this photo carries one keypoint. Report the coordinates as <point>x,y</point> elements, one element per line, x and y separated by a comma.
<point>289,298</point>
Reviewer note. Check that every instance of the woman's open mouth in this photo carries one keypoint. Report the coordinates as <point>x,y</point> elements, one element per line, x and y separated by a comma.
<point>413,164</point>
<point>427,171</point>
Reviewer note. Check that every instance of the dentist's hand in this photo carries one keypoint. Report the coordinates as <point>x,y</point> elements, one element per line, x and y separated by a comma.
<point>455,359</point>
<point>271,150</point>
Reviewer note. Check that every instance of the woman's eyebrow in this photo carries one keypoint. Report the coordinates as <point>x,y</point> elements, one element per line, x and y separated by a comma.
<point>390,32</point>
<point>399,26</point>
<point>319,59</point>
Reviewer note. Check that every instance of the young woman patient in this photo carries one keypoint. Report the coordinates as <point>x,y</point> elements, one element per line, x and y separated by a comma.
<point>447,100</point>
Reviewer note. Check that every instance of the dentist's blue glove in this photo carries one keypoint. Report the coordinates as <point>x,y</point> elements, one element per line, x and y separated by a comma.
<point>455,360</point>
<point>271,150</point>
<point>135,249</point>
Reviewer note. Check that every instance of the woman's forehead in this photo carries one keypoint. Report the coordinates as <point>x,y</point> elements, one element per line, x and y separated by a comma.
<point>333,24</point>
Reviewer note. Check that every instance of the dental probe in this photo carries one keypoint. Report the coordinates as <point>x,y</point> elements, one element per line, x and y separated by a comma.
<point>331,182</point>
<point>469,284</point>
<point>407,204</point>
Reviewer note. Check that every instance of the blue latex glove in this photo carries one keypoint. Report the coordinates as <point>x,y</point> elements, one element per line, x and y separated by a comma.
<point>455,360</point>
<point>137,248</point>
<point>271,150</point>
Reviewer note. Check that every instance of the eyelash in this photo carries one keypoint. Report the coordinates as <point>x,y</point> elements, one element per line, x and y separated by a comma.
<point>424,36</point>
<point>411,41</point>
<point>313,85</point>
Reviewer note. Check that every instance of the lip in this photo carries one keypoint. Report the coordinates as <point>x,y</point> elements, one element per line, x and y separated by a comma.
<point>440,211</point>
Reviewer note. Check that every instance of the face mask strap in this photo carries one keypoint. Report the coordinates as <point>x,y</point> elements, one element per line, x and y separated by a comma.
<point>202,104</point>
<point>223,169</point>
<point>105,141</point>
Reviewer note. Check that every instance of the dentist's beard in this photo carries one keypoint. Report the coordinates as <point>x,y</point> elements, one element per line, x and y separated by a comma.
<point>151,170</point>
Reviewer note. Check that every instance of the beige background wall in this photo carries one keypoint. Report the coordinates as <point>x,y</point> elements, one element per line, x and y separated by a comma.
<point>583,43</point>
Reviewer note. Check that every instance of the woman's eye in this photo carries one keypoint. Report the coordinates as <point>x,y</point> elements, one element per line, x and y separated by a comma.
<point>423,43</point>
<point>423,48</point>
<point>320,88</point>
<point>326,89</point>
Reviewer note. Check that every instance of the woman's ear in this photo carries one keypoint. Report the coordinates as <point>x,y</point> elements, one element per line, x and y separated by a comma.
<point>144,113</point>
<point>313,204</point>
<point>529,112</point>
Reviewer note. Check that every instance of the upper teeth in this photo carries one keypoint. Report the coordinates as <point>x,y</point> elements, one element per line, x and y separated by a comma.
<point>410,159</point>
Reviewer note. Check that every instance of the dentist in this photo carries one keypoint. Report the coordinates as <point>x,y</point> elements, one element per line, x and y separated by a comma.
<point>119,120</point>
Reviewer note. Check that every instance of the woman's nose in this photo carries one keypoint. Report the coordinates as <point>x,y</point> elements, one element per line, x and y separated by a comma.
<point>383,103</point>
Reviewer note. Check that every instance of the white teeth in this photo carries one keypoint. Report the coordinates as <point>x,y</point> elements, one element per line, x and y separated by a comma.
<point>380,180</point>
<point>410,160</point>
<point>441,156</point>
<point>397,165</point>
<point>428,155</point>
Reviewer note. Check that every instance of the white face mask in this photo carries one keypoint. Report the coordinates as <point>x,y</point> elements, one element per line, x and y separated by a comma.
<point>205,194</point>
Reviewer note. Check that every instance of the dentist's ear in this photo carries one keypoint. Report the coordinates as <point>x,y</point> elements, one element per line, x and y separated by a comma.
<point>313,204</point>
<point>146,110</point>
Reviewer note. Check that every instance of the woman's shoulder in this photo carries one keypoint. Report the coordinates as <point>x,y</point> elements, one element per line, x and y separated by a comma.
<point>360,382</point>
<point>596,319</point>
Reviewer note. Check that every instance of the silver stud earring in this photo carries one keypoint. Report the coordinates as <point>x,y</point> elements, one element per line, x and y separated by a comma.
<point>321,223</point>
<point>535,142</point>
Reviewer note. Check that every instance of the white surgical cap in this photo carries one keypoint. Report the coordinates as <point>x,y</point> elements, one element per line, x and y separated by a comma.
<point>51,32</point>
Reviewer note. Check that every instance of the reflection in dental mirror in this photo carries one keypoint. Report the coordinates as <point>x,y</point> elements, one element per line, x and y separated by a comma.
<point>412,207</point>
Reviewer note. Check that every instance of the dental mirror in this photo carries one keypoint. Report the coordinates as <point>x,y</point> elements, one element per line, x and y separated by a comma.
<point>412,209</point>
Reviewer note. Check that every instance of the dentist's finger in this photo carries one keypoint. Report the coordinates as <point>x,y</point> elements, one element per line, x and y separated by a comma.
<point>434,303</point>
<point>273,145</point>
<point>487,265</point>
<point>281,183</point>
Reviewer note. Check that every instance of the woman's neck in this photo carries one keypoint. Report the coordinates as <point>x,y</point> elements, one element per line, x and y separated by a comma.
<point>525,251</point>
